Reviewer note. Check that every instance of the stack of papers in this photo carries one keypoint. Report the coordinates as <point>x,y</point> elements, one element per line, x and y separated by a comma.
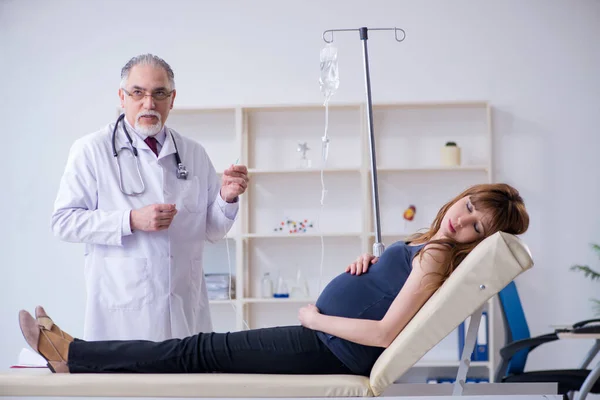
<point>218,286</point>
<point>30,359</point>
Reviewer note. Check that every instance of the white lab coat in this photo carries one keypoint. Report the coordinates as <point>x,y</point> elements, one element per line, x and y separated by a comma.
<point>141,285</point>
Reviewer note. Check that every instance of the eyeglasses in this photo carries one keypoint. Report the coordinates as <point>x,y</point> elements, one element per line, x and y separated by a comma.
<point>158,95</point>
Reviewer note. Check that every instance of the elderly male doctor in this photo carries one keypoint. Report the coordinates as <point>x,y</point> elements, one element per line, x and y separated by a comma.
<point>143,219</point>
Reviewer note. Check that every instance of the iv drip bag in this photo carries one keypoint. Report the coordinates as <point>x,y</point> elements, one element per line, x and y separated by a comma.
<point>329,79</point>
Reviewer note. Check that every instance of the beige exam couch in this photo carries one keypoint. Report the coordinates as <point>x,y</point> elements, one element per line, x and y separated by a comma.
<point>485,271</point>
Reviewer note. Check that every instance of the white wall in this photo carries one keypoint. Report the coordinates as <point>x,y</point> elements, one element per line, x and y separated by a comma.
<point>537,62</point>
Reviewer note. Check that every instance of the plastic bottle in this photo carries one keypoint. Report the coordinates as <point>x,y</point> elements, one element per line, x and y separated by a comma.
<point>267,285</point>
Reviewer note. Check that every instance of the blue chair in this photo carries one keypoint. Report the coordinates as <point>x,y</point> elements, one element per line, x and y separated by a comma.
<point>519,344</point>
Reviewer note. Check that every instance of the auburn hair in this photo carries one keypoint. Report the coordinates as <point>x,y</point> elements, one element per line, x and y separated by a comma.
<point>507,212</point>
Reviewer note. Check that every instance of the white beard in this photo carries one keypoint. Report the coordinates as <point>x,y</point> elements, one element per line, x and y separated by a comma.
<point>148,130</point>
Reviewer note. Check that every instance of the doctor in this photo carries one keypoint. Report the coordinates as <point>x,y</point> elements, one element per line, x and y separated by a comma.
<point>144,198</point>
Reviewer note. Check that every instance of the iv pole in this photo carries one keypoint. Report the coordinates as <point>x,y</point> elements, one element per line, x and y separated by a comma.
<point>378,246</point>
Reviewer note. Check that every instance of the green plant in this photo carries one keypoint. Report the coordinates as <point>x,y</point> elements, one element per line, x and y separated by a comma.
<point>592,274</point>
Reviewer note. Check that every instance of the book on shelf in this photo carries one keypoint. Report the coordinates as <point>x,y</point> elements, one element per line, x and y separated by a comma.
<point>480,352</point>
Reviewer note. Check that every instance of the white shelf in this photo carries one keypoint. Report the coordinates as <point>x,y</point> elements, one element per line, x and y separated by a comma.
<point>299,235</point>
<point>260,300</point>
<point>301,171</point>
<point>332,106</point>
<point>300,107</point>
<point>429,105</point>
<point>393,234</point>
<point>221,302</point>
<point>200,110</point>
<point>481,168</point>
<point>288,300</point>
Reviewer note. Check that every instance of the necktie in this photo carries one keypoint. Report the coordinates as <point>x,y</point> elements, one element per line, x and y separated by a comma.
<point>152,142</point>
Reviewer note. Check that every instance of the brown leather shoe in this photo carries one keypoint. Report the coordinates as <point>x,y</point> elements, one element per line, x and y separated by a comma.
<point>49,345</point>
<point>43,319</point>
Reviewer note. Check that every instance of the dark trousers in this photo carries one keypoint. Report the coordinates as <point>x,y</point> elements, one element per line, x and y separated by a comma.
<point>279,350</point>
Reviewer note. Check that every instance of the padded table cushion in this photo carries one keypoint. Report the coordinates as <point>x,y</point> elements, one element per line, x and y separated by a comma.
<point>494,263</point>
<point>42,382</point>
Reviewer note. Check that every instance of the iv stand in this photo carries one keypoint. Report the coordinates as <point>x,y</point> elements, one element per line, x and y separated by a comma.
<point>378,246</point>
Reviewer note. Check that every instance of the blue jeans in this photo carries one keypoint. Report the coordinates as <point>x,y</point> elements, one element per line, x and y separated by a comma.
<point>279,350</point>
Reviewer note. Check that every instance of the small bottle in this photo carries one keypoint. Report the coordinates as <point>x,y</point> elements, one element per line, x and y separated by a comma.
<point>267,285</point>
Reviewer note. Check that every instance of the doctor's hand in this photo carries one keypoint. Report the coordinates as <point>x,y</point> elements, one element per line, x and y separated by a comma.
<point>235,182</point>
<point>154,217</point>
<point>362,264</point>
<point>307,316</point>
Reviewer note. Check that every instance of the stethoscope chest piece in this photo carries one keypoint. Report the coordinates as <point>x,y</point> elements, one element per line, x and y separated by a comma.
<point>182,172</point>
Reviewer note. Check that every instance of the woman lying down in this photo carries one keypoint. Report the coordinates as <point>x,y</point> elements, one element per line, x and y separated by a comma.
<point>358,314</point>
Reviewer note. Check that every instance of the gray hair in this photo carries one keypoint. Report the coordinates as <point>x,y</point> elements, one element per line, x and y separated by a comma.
<point>147,59</point>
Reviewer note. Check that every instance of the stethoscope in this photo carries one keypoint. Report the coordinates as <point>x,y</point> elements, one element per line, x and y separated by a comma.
<point>181,172</point>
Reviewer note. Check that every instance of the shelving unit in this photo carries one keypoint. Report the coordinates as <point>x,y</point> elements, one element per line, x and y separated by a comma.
<point>409,138</point>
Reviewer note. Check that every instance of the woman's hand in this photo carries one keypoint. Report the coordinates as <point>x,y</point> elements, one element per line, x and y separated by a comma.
<point>307,316</point>
<point>362,264</point>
